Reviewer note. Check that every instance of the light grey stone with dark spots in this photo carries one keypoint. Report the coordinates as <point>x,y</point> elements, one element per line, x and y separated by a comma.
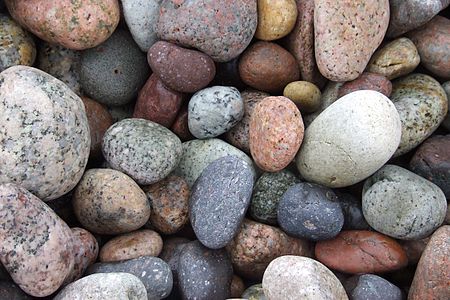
<point>371,287</point>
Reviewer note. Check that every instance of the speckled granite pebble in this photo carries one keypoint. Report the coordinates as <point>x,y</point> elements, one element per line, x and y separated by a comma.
<point>146,151</point>
<point>275,19</point>
<point>367,81</point>
<point>44,141</point>
<point>254,292</point>
<point>372,287</point>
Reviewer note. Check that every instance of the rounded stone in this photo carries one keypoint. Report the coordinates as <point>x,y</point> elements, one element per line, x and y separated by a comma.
<point>304,94</point>
<point>180,126</point>
<point>113,72</point>
<point>367,81</point>
<point>401,204</point>
<point>350,140</point>
<point>276,18</point>
<point>352,209</point>
<point>268,67</point>
<point>372,287</point>
<point>109,202</point>
<point>44,141</point>
<point>214,110</point>
<point>289,277</point>
<point>414,249</point>
<point>119,113</point>
<point>329,96</point>
<point>237,287</point>
<point>254,292</point>
<point>146,151</point>
<point>446,122</point>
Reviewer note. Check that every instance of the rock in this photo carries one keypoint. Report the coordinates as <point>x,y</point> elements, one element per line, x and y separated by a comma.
<point>219,200</point>
<point>347,34</point>
<point>288,277</point>
<point>157,103</point>
<point>432,273</point>
<point>414,249</point>
<point>227,74</point>
<point>146,151</point>
<point>10,291</point>
<point>268,67</point>
<point>275,133</point>
<point>119,113</point>
<point>446,122</point>
<point>360,251</point>
<point>17,46</point>
<point>367,81</point>
<point>183,70</point>
<point>267,193</point>
<point>254,292</point>
<point>256,245</point>
<point>141,17</point>
<point>350,140</point>
<point>221,30</point>
<point>411,14</point>
<point>352,209</point>
<point>275,19</point>
<point>422,105</point>
<point>180,126</point>
<point>304,94</point>
<point>45,140</point>
<point>204,273</point>
<point>154,273</point>
<point>113,72</point>
<point>109,202</point>
<point>237,287</point>
<point>104,286</point>
<point>372,287</point>
<point>395,59</point>
<point>214,110</point>
<point>310,211</point>
<point>401,204</point>
<point>33,236</point>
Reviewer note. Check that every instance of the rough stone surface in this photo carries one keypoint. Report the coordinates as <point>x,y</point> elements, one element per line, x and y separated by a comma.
<point>367,81</point>
<point>304,94</point>
<point>372,287</point>
<point>275,19</point>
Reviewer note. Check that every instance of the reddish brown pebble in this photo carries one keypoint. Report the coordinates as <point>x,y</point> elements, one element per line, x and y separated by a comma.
<point>367,81</point>
<point>361,251</point>
<point>276,132</point>
<point>157,103</point>
<point>180,127</point>
<point>268,67</point>
<point>237,287</point>
<point>414,249</point>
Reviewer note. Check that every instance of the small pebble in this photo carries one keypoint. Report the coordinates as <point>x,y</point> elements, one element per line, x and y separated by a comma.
<point>367,81</point>
<point>254,292</point>
<point>446,122</point>
<point>237,287</point>
<point>352,209</point>
<point>304,94</point>
<point>180,126</point>
<point>275,19</point>
<point>372,287</point>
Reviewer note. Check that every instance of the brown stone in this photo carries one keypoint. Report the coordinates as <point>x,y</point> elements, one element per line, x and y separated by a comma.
<point>180,126</point>
<point>414,249</point>
<point>276,18</point>
<point>367,81</point>
<point>237,287</point>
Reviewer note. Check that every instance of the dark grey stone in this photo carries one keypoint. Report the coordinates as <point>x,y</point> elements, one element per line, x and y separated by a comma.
<point>10,291</point>
<point>371,287</point>
<point>353,215</point>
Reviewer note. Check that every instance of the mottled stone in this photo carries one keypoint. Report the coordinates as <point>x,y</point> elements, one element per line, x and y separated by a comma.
<point>254,292</point>
<point>275,19</point>
<point>44,137</point>
<point>367,81</point>
<point>237,287</point>
<point>372,287</point>
<point>304,94</point>
<point>352,209</point>
<point>180,126</point>
<point>36,246</point>
<point>347,34</point>
<point>10,291</point>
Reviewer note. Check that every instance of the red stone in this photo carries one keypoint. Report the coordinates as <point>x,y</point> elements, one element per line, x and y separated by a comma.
<point>367,81</point>
<point>180,126</point>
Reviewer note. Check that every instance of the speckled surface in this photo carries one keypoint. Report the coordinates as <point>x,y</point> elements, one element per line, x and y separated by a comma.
<point>275,19</point>
<point>367,81</point>
<point>254,292</point>
<point>372,287</point>
<point>172,249</point>
<point>44,138</point>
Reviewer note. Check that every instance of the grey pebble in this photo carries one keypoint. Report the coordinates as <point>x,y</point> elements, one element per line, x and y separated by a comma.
<point>352,209</point>
<point>371,287</point>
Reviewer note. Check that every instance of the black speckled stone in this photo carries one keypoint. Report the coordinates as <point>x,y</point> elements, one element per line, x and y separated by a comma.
<point>353,215</point>
<point>371,287</point>
<point>10,291</point>
<point>267,193</point>
<point>219,200</point>
<point>310,211</point>
<point>204,273</point>
<point>154,273</point>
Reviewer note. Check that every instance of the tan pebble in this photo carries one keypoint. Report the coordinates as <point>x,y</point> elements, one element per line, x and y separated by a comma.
<point>276,18</point>
<point>305,94</point>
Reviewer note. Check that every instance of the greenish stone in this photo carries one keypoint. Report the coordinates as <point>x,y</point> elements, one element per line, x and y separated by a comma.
<point>254,292</point>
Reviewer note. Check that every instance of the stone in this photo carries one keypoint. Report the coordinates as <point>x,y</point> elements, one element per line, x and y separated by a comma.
<point>146,151</point>
<point>120,113</point>
<point>372,287</point>
<point>395,59</point>
<point>221,30</point>
<point>219,200</point>
<point>256,245</point>
<point>304,94</point>
<point>367,81</point>
<point>214,110</point>
<point>204,273</point>
<point>227,74</point>
<point>17,46</point>
<point>290,277</point>
<point>422,105</point>
<point>360,251</point>
<point>157,103</point>
<point>180,126</point>
<point>104,286</point>
<point>414,249</point>
<point>33,236</point>
<point>352,209</point>
<point>401,204</point>
<point>347,34</point>
<point>180,69</point>
<point>446,122</point>
<point>254,292</point>
<point>44,141</point>
<point>10,291</point>
<point>109,202</point>
<point>275,133</point>
<point>113,72</point>
<point>350,140</point>
<point>310,211</point>
<point>275,19</point>
<point>237,287</point>
<point>268,67</point>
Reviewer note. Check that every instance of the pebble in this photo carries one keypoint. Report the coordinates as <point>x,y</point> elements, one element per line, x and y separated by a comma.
<point>180,126</point>
<point>275,19</point>
<point>275,133</point>
<point>268,67</point>
<point>395,59</point>
<point>347,34</point>
<point>219,200</point>
<point>119,113</point>
<point>104,286</point>
<point>360,251</point>
<point>401,204</point>
<point>10,291</point>
<point>446,122</point>
<point>227,74</point>
<point>352,209</point>
<point>214,110</point>
<point>367,81</point>
<point>372,287</point>
<point>422,105</point>
<point>256,245</point>
<point>414,249</point>
<point>45,140</point>
<point>113,72</point>
<point>254,292</point>
<point>33,236</point>
<point>109,202</point>
<point>297,277</point>
<point>144,150</point>
<point>350,140</point>
<point>304,94</point>
<point>183,70</point>
<point>237,287</point>
<point>221,30</point>
<point>204,273</point>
